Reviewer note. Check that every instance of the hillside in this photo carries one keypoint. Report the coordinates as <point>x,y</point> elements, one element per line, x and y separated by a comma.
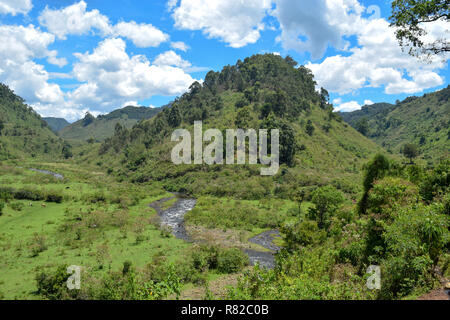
<point>423,121</point>
<point>56,124</point>
<point>22,131</point>
<point>264,91</point>
<point>103,126</point>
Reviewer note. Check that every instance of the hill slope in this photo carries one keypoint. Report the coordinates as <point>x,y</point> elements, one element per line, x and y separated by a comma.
<point>264,91</point>
<point>56,124</point>
<point>22,131</point>
<point>103,126</point>
<point>424,121</point>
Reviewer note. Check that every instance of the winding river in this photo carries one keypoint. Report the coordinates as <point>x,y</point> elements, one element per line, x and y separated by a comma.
<point>173,217</point>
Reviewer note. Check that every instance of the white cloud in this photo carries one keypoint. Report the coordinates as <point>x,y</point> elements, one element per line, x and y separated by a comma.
<point>236,22</point>
<point>377,61</point>
<point>76,20</point>
<point>170,58</point>
<point>368,102</point>
<point>20,45</point>
<point>53,59</point>
<point>143,35</point>
<point>110,77</point>
<point>179,45</point>
<point>313,25</point>
<point>347,106</point>
<point>15,7</point>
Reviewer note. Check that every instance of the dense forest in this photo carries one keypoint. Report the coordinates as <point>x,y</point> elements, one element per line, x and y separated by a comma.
<point>422,121</point>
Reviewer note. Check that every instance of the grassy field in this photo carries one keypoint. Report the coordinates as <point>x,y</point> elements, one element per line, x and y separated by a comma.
<point>38,235</point>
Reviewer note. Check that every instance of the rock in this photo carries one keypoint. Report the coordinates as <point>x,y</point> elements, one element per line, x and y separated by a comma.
<point>447,286</point>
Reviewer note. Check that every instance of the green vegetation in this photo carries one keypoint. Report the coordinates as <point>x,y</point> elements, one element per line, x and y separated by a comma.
<point>339,202</point>
<point>103,126</point>
<point>410,16</point>
<point>22,131</point>
<point>422,121</point>
<point>400,231</point>
<point>56,124</point>
<point>263,91</point>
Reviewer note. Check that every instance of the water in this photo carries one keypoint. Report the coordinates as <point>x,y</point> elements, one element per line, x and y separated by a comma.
<point>55,175</point>
<point>173,218</point>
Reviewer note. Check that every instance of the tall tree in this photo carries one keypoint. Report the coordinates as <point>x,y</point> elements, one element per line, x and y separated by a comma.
<point>409,17</point>
<point>410,151</point>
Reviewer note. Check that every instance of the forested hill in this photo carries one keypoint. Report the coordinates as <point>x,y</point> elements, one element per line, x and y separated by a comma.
<point>56,124</point>
<point>22,131</point>
<point>263,91</point>
<point>103,126</point>
<point>422,121</point>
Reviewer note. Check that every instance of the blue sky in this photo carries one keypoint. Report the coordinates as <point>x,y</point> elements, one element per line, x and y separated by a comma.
<point>66,57</point>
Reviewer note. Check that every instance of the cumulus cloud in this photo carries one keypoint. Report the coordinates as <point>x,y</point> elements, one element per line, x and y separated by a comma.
<point>74,20</point>
<point>346,106</point>
<point>179,45</point>
<point>15,7</point>
<point>110,77</point>
<point>77,20</point>
<point>313,25</point>
<point>235,22</point>
<point>170,58</point>
<point>377,61</point>
<point>142,35</point>
<point>20,45</point>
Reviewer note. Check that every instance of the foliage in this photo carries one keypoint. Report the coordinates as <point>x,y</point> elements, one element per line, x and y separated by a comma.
<point>409,17</point>
<point>410,151</point>
<point>327,200</point>
<point>417,120</point>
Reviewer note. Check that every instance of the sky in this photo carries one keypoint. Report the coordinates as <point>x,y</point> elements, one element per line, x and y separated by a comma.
<point>67,57</point>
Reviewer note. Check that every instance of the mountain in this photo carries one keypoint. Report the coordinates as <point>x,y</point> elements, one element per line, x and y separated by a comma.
<point>56,124</point>
<point>22,131</point>
<point>263,91</point>
<point>103,126</point>
<point>423,121</point>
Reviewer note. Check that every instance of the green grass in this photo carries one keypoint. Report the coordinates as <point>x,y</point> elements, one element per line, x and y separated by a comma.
<point>18,228</point>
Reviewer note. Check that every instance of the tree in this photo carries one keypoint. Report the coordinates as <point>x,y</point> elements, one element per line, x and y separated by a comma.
<point>2,126</point>
<point>363,126</point>
<point>376,169</point>
<point>174,118</point>
<point>410,151</point>
<point>67,151</point>
<point>409,17</point>
<point>2,205</point>
<point>327,201</point>
<point>310,128</point>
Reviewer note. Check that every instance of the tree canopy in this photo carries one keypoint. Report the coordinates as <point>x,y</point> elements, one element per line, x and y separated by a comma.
<point>409,17</point>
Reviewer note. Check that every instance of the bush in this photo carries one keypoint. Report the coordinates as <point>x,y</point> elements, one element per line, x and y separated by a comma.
<point>16,206</point>
<point>29,194</point>
<point>327,201</point>
<point>52,285</point>
<point>54,197</point>
<point>2,206</point>
<point>231,260</point>
<point>224,260</point>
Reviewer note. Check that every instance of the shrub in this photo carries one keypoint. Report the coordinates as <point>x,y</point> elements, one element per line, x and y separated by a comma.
<point>54,197</point>
<point>2,206</point>
<point>327,201</point>
<point>52,285</point>
<point>231,260</point>
<point>303,233</point>
<point>16,206</point>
